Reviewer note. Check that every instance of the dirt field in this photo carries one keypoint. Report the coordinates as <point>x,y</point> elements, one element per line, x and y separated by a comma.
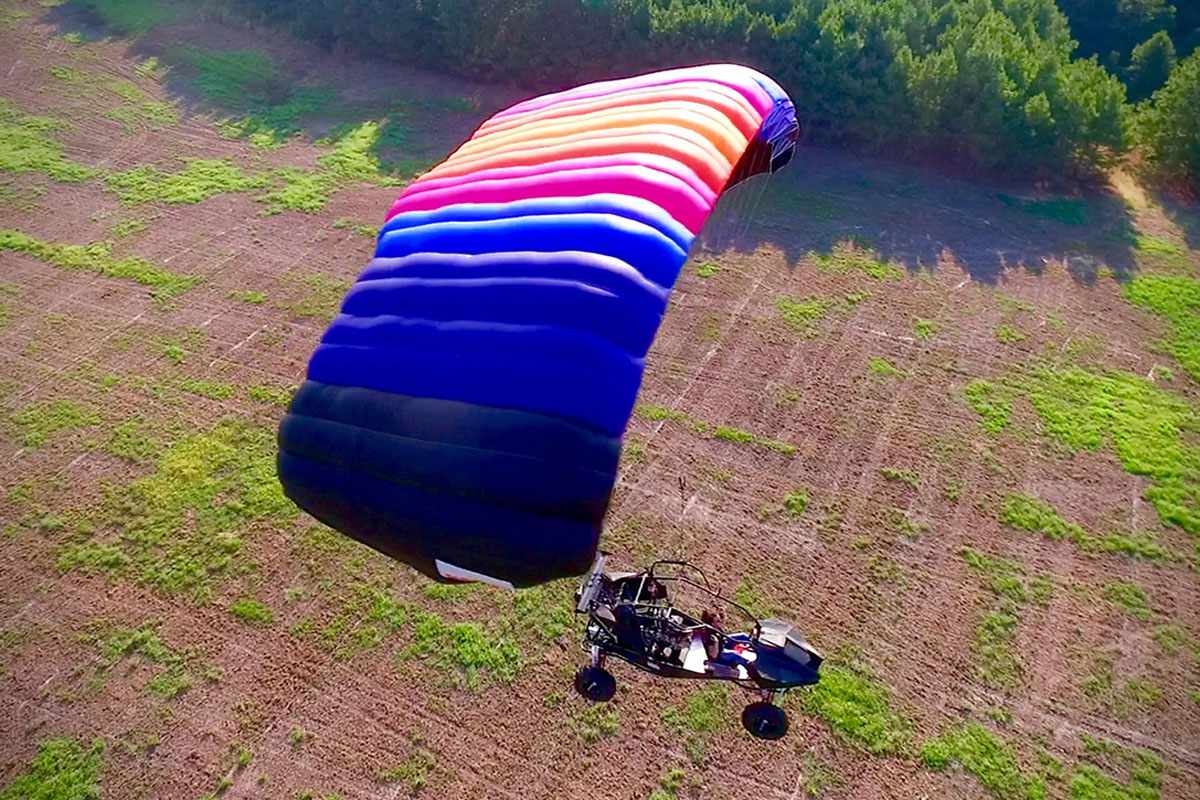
<point>948,426</point>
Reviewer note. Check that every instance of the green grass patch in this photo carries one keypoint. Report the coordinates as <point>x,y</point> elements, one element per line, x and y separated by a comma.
<point>1064,210</point>
<point>133,441</point>
<point>322,298</point>
<point>882,368</point>
<point>726,433</point>
<point>180,528</point>
<point>251,611</point>
<point>352,160</point>
<point>1031,514</point>
<point>1153,245</point>
<point>274,395</point>
<point>1007,334</point>
<point>907,476</point>
<point>998,661</point>
<point>988,757</point>
<point>200,179</point>
<point>213,390</point>
<point>991,403</point>
<point>859,710</point>
<point>37,422</point>
<point>926,329</point>
<point>236,80</point>
<point>366,618</point>
<point>849,257</point>
<point>1129,597</point>
<point>128,227</point>
<point>27,144</point>
<point>702,715</point>
<point>802,314</point>
<point>795,503</point>
<point>412,772</point>
<point>174,674</point>
<point>1145,770</point>
<point>1149,429</point>
<point>177,347</point>
<point>749,595</point>
<point>361,229</point>
<point>272,125</point>
<point>594,722</point>
<point>248,296</point>
<point>150,69</point>
<point>1174,639</point>
<point>546,610</point>
<point>669,785</point>
<point>707,269</point>
<point>97,259</point>
<point>63,769</point>
<point>144,115</point>
<point>448,592</point>
<point>466,647</point>
<point>1122,699</point>
<point>1175,299</point>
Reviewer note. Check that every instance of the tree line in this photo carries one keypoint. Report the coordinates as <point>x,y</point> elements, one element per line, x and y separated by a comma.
<point>1011,84</point>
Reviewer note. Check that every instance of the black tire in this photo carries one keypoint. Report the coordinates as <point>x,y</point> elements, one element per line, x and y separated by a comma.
<point>595,684</point>
<point>765,721</point>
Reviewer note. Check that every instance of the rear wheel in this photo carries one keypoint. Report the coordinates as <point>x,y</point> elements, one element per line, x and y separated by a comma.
<point>765,720</point>
<point>595,684</point>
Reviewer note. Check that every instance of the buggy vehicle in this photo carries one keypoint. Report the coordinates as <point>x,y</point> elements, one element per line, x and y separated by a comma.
<point>630,617</point>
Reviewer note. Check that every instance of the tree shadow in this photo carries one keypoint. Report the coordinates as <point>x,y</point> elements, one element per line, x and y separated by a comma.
<point>260,86</point>
<point>269,90</point>
<point>919,218</point>
<point>1184,214</point>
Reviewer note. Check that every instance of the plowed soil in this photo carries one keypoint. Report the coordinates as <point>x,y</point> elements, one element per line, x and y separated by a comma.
<point>326,699</point>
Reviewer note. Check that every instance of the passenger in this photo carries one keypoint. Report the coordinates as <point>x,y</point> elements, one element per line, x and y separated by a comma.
<point>712,634</point>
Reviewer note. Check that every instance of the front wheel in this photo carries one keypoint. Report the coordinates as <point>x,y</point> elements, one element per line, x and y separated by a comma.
<point>595,684</point>
<point>765,720</point>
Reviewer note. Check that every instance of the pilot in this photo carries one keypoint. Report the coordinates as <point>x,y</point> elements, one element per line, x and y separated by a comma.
<point>712,634</point>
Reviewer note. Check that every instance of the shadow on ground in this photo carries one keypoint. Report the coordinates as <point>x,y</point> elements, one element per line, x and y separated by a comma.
<point>267,90</point>
<point>918,218</point>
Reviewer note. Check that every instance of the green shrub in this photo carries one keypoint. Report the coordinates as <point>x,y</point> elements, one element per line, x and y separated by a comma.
<point>1166,125</point>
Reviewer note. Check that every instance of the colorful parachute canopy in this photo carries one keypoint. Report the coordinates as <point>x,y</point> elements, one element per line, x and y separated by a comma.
<point>464,411</point>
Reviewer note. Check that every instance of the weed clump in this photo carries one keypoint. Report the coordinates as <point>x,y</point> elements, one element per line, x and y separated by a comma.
<point>999,664</point>
<point>990,403</point>
<point>27,144</point>
<point>858,708</point>
<point>466,647</point>
<point>848,256</point>
<point>1148,428</point>
<point>882,368</point>
<point>1031,514</point>
<point>702,715</point>
<point>38,422</point>
<point>62,768</point>
<point>413,771</point>
<point>200,179</point>
<point>179,529</point>
<point>1176,299</point>
<point>726,433</point>
<point>252,611</point>
<point>986,756</point>
<point>97,258</point>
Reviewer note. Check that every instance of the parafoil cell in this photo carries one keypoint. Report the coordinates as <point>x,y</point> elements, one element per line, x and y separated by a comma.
<point>464,411</point>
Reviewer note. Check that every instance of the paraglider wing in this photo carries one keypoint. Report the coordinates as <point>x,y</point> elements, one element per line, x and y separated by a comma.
<point>464,411</point>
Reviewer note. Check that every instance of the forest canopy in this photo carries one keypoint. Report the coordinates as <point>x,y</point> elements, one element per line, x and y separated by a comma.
<point>1014,84</point>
